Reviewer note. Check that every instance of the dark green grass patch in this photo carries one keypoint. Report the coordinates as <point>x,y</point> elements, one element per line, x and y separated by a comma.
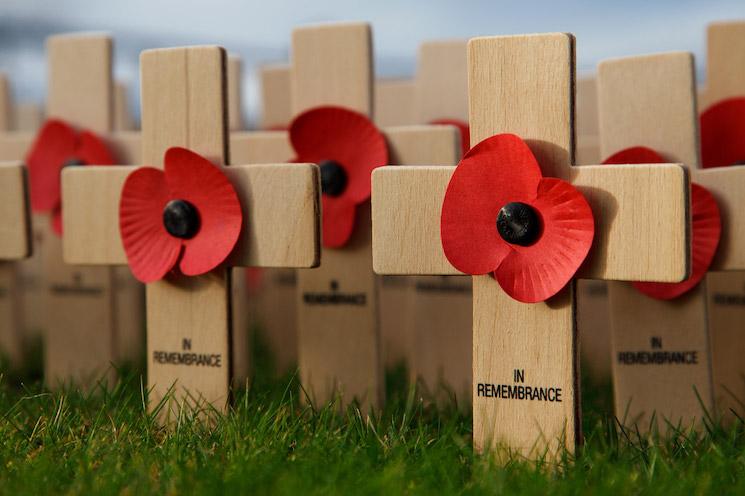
<point>269,442</point>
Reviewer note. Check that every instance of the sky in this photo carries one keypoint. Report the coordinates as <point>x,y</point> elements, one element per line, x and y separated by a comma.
<point>259,31</point>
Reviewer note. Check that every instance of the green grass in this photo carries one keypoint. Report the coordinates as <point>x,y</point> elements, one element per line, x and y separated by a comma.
<point>107,443</point>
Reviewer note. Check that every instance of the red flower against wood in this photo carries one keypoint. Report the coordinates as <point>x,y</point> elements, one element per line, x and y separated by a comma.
<point>58,145</point>
<point>188,213</point>
<point>706,228</point>
<point>723,133</point>
<point>465,132</point>
<point>347,147</point>
<point>501,216</point>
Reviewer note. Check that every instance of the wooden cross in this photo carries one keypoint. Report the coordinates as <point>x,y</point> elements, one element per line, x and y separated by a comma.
<point>184,104</point>
<point>275,96</point>
<point>80,302</point>
<point>524,85</point>
<point>395,102</point>
<point>660,112</point>
<point>339,343</point>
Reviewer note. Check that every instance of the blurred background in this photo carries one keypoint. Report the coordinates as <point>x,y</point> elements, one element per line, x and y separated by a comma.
<point>260,31</point>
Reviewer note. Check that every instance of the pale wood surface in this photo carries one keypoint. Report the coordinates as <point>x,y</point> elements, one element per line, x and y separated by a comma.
<point>123,120</point>
<point>276,106</point>
<point>261,147</point>
<point>93,234</point>
<point>660,112</point>
<point>235,99</point>
<point>332,65</point>
<point>27,116</point>
<point>183,104</point>
<point>725,60</point>
<point>395,103</point>
<point>338,344</point>
<point>12,350</point>
<point>442,81</point>
<point>6,105</point>
<point>15,231</point>
<point>80,88</point>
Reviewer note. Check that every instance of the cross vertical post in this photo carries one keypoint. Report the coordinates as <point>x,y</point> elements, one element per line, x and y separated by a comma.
<point>524,85</point>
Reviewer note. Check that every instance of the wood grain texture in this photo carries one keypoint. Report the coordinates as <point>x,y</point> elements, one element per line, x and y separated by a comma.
<point>12,346</point>
<point>6,105</point>
<point>80,87</point>
<point>123,119</point>
<point>406,240</point>
<point>725,60</point>
<point>267,240</point>
<point>27,116</point>
<point>442,81</point>
<point>261,147</point>
<point>184,104</point>
<point>338,344</point>
<point>395,103</point>
<point>15,220</point>
<point>332,65</point>
<point>276,105</point>
<point>664,92</point>
<point>235,99</point>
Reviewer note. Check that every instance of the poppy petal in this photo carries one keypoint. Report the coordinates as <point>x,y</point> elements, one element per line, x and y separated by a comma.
<point>54,144</point>
<point>338,216</point>
<point>345,136</point>
<point>706,227</point>
<point>723,133</point>
<point>539,271</point>
<point>92,150</point>
<point>465,133</point>
<point>195,179</point>
<point>151,251</point>
<point>498,170</point>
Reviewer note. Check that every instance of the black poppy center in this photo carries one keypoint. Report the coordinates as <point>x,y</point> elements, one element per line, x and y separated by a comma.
<point>181,219</point>
<point>333,178</point>
<point>73,161</point>
<point>739,162</point>
<point>518,224</point>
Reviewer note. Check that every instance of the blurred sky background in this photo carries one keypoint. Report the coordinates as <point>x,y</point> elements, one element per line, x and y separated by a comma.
<point>259,31</point>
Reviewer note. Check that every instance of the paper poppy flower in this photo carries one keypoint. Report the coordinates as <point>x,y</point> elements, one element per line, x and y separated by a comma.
<point>723,133</point>
<point>465,133</point>
<point>501,216</point>
<point>58,145</point>
<point>347,147</point>
<point>706,228</point>
<point>188,213</point>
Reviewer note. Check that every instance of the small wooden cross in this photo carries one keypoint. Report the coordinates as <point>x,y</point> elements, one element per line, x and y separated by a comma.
<point>80,302</point>
<point>184,104</point>
<point>15,244</point>
<point>660,112</point>
<point>395,103</point>
<point>524,85</point>
<point>275,96</point>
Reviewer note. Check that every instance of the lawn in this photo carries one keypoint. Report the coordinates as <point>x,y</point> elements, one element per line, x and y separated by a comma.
<point>105,442</point>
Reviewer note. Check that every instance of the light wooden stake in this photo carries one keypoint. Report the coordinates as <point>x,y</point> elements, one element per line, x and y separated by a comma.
<point>184,104</point>
<point>395,103</point>
<point>276,110</point>
<point>339,344</point>
<point>641,234</point>
<point>593,321</point>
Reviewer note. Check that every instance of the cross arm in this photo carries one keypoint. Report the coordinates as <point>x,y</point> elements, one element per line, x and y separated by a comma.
<point>15,222</point>
<point>280,202</point>
<point>642,242</point>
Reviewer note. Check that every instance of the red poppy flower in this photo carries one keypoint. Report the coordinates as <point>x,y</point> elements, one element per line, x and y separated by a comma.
<point>189,212</point>
<point>347,146</point>
<point>723,133</point>
<point>706,228</point>
<point>501,216</point>
<point>56,145</point>
<point>465,133</point>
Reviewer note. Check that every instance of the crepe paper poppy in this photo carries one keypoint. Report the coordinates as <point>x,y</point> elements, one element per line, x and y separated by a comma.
<point>187,214</point>
<point>465,133</point>
<point>501,216</point>
<point>723,133</point>
<point>706,228</point>
<point>58,145</point>
<point>347,146</point>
